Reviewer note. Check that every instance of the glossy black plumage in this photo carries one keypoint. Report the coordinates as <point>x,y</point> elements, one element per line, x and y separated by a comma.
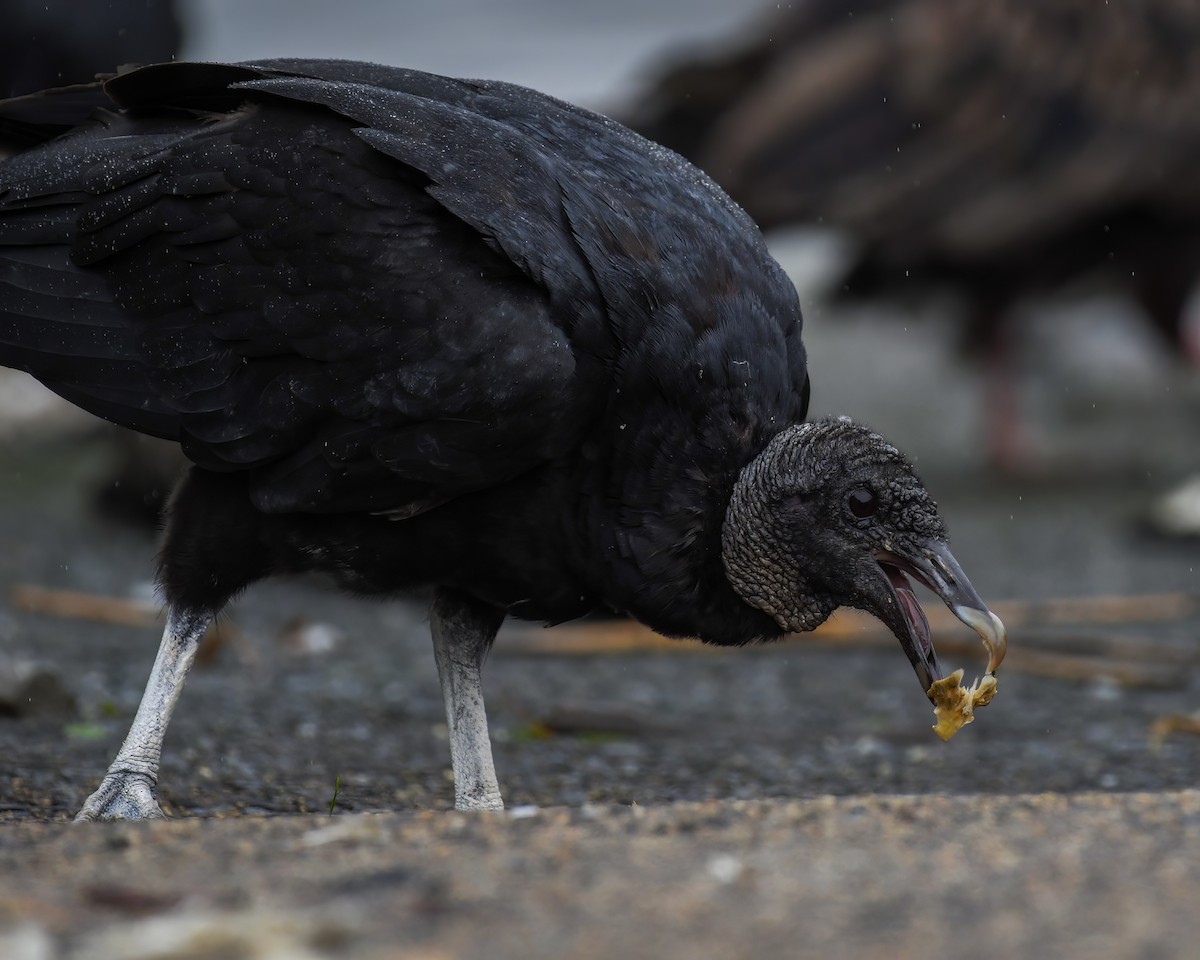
<point>357,290</point>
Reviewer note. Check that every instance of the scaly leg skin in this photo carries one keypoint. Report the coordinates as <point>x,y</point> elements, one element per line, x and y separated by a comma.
<point>463,630</point>
<point>127,792</point>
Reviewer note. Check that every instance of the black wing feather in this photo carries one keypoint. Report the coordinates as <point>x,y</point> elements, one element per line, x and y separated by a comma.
<point>447,378</point>
<point>376,289</point>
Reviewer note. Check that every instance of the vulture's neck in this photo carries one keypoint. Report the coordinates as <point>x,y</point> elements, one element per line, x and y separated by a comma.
<point>662,491</point>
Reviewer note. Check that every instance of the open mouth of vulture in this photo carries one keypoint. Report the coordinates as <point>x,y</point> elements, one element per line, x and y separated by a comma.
<point>935,567</point>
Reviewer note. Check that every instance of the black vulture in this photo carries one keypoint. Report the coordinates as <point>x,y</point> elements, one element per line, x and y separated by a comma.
<point>444,336</point>
<point>998,149</point>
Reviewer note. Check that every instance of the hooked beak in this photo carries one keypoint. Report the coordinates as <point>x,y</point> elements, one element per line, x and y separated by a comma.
<point>934,565</point>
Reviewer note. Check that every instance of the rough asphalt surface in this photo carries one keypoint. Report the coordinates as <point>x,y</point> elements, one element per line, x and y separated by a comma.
<point>830,878</point>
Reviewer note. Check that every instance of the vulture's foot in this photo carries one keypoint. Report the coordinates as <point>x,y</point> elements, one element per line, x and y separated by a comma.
<point>480,798</point>
<point>123,796</point>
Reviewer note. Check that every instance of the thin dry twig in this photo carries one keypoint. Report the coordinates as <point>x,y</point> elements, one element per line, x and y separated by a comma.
<point>1171,723</point>
<point>73,605</point>
<point>116,611</point>
<point>1130,661</point>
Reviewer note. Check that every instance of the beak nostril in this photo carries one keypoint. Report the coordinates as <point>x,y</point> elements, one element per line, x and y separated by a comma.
<point>942,567</point>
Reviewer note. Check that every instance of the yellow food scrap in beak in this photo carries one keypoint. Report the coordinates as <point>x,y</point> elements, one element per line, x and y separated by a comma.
<point>954,705</point>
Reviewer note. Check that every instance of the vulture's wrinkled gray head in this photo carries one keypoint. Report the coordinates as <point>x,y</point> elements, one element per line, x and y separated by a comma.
<point>830,514</point>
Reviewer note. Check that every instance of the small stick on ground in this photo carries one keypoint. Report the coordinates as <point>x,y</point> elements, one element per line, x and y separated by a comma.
<point>1128,661</point>
<point>73,605</point>
<point>115,611</point>
<point>1136,662</point>
<point>1171,723</point>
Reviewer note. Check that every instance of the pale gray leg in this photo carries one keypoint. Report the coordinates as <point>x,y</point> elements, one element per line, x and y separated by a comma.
<point>463,630</point>
<point>127,791</point>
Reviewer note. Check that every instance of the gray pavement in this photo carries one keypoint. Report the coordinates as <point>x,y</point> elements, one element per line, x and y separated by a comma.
<point>1082,876</point>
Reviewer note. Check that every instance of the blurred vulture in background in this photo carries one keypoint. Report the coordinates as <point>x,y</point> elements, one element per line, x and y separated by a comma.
<point>998,148</point>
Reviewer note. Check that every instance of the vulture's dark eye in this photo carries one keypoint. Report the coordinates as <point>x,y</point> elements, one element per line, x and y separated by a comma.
<point>862,502</point>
